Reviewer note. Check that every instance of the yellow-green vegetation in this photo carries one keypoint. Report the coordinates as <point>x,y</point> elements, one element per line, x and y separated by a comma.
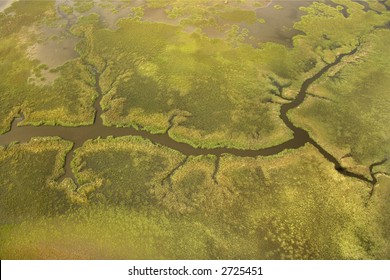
<point>65,101</point>
<point>329,33</point>
<point>376,5</point>
<point>198,80</point>
<point>278,7</point>
<point>28,172</point>
<point>14,67</point>
<point>154,203</point>
<point>206,83</point>
<point>221,92</point>
<point>216,92</point>
<point>353,121</point>
<point>380,213</point>
<point>207,13</point>
<point>141,164</point>
<point>66,9</point>
<point>83,6</point>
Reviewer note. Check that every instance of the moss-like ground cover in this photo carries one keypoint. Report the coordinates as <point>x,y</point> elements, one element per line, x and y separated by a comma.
<point>151,202</point>
<point>65,101</point>
<point>206,84</point>
<point>134,199</point>
<point>352,120</point>
<point>28,174</point>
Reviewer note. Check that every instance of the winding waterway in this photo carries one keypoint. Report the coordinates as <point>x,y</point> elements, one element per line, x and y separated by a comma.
<point>79,135</point>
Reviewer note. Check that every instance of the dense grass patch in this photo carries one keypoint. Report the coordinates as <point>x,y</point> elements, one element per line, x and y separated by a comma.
<point>134,199</point>
<point>27,179</point>
<point>121,171</point>
<point>291,206</point>
<point>207,83</point>
<point>99,232</point>
<point>329,33</point>
<point>356,122</point>
<point>65,101</point>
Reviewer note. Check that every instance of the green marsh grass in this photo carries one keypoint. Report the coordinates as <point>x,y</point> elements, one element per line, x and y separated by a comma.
<point>355,122</point>
<point>138,200</point>
<point>257,209</point>
<point>27,173</point>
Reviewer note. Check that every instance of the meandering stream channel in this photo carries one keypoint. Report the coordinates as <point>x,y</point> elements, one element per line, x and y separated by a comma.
<point>78,135</point>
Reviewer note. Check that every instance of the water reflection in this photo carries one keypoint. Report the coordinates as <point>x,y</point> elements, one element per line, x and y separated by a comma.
<point>275,24</point>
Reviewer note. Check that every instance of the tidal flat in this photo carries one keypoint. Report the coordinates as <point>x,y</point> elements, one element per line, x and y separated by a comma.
<point>202,129</point>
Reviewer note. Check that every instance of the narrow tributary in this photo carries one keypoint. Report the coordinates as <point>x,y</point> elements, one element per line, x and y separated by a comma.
<point>78,135</point>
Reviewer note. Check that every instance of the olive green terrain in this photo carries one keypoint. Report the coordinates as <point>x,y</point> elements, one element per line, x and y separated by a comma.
<point>23,85</point>
<point>143,202</point>
<point>353,120</point>
<point>44,157</point>
<point>193,73</point>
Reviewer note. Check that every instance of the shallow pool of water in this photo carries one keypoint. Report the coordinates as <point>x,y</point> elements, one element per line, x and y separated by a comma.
<point>4,4</point>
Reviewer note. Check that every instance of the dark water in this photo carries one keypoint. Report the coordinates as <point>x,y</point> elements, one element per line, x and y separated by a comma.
<point>78,135</point>
<point>278,26</point>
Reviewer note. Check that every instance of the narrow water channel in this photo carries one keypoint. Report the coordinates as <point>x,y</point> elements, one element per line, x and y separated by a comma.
<point>79,135</point>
